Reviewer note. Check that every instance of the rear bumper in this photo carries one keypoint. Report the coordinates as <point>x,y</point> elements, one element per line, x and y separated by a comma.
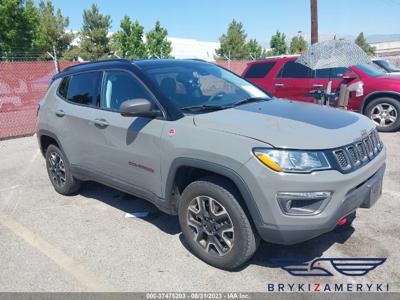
<point>292,234</point>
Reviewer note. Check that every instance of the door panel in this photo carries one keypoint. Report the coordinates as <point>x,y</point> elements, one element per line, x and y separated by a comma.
<point>290,88</point>
<point>73,115</point>
<point>127,148</point>
<point>74,132</point>
<point>293,82</point>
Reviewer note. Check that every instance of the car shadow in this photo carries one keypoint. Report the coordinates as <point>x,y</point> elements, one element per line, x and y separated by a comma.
<point>302,252</point>
<point>131,205</point>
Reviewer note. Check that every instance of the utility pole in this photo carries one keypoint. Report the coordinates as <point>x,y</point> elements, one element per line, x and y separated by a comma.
<point>314,21</point>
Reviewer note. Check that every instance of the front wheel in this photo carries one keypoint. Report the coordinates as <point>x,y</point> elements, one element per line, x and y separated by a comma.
<point>215,225</point>
<point>385,112</point>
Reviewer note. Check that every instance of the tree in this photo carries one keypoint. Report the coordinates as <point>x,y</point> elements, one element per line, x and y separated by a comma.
<point>94,34</point>
<point>51,29</point>
<point>254,50</point>
<point>298,45</point>
<point>157,44</point>
<point>278,43</point>
<point>73,53</point>
<point>361,41</point>
<point>129,40</point>
<point>18,20</point>
<point>233,43</point>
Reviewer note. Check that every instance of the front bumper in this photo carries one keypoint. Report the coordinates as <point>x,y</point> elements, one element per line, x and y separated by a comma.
<point>349,192</point>
<point>292,234</point>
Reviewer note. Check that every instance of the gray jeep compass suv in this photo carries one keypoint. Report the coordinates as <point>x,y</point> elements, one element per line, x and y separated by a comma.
<point>198,141</point>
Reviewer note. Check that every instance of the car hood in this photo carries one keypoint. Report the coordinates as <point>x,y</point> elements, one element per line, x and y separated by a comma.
<point>288,124</point>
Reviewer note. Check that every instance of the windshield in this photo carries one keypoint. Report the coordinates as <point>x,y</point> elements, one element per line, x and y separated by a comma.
<point>389,66</point>
<point>200,86</point>
<point>370,70</point>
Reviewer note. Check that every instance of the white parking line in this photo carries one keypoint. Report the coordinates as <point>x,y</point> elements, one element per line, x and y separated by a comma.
<point>10,188</point>
<point>75,268</point>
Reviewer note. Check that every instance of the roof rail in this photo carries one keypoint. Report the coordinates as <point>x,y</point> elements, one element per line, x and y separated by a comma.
<point>282,56</point>
<point>97,61</point>
<point>196,59</point>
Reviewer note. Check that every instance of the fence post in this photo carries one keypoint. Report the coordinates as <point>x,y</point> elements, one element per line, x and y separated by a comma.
<point>56,65</point>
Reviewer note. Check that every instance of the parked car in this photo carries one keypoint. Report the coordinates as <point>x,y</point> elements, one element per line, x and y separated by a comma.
<point>198,141</point>
<point>284,78</point>
<point>387,66</point>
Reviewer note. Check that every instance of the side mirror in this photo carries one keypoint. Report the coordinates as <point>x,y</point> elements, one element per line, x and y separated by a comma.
<point>138,108</point>
<point>349,75</point>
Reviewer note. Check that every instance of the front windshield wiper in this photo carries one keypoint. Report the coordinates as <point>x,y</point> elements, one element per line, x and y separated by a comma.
<point>204,107</point>
<point>250,100</point>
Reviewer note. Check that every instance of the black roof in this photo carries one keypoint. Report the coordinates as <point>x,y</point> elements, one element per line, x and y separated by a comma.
<point>141,64</point>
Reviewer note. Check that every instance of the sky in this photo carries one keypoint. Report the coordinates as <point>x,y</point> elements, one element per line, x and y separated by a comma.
<point>207,20</point>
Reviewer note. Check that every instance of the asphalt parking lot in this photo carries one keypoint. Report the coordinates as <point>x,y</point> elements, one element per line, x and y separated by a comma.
<point>49,242</point>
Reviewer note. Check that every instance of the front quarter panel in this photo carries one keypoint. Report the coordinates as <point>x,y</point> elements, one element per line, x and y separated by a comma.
<point>182,139</point>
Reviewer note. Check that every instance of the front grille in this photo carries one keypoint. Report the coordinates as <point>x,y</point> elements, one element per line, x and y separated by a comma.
<point>359,153</point>
<point>353,155</point>
<point>342,159</point>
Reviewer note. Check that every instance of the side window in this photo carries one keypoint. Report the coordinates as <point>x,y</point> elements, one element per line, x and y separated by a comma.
<point>83,88</point>
<point>292,69</point>
<point>119,86</point>
<point>338,72</point>
<point>323,73</point>
<point>63,88</point>
<point>259,70</point>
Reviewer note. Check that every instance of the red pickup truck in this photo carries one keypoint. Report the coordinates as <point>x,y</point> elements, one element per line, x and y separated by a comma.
<point>284,78</point>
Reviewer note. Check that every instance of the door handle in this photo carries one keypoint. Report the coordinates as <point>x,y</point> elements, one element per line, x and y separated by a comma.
<point>319,85</point>
<point>279,84</point>
<point>60,113</point>
<point>101,122</point>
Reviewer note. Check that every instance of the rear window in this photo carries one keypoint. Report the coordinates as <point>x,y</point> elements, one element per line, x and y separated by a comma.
<point>83,88</point>
<point>338,72</point>
<point>323,73</point>
<point>63,88</point>
<point>292,69</point>
<point>259,70</point>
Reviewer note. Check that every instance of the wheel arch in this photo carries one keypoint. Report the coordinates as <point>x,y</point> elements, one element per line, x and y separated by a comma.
<point>47,138</point>
<point>378,94</point>
<point>180,166</point>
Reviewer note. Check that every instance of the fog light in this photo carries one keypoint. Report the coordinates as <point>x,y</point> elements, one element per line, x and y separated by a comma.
<point>302,203</point>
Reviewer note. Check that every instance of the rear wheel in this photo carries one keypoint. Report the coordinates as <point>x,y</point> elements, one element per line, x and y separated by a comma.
<point>385,113</point>
<point>215,225</point>
<point>59,171</point>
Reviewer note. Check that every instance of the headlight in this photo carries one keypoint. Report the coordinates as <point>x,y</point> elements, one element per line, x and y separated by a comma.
<point>292,161</point>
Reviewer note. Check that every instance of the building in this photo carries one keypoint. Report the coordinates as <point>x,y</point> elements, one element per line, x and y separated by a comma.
<point>191,48</point>
<point>182,48</point>
<point>391,48</point>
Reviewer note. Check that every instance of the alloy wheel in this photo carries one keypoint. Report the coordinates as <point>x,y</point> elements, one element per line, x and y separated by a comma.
<point>57,169</point>
<point>384,114</point>
<point>211,225</point>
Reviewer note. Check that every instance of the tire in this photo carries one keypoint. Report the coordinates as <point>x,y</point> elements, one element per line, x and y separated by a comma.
<point>59,171</point>
<point>229,240</point>
<point>385,113</point>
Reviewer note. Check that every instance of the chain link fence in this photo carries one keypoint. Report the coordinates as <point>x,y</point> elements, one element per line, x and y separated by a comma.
<point>24,83</point>
<point>22,86</point>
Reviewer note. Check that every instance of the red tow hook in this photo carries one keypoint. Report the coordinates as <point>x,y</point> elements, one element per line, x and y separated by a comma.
<point>343,221</point>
